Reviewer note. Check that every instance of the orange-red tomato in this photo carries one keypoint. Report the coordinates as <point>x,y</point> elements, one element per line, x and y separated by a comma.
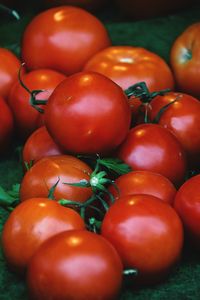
<point>9,69</point>
<point>27,118</point>
<point>127,65</point>
<point>147,233</point>
<point>63,38</point>
<point>185,60</point>
<point>46,172</point>
<point>30,224</point>
<point>6,126</point>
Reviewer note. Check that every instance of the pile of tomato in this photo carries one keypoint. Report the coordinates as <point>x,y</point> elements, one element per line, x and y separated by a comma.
<point>111,157</point>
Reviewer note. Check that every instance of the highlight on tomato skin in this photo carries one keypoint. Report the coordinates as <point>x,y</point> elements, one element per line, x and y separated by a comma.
<point>77,264</point>
<point>148,235</point>
<point>30,224</point>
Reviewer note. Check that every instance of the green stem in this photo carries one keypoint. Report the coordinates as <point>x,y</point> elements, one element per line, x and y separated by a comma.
<point>10,11</point>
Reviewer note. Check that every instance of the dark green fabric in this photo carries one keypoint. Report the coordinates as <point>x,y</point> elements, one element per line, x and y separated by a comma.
<point>156,35</point>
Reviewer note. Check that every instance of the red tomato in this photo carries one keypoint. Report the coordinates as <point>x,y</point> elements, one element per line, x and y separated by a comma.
<point>77,264</point>
<point>88,113</point>
<point>91,5</point>
<point>147,234</point>
<point>144,182</point>
<point>153,148</point>
<point>6,126</point>
<point>9,69</point>
<point>46,172</point>
<point>151,8</point>
<point>185,56</point>
<point>39,145</point>
<point>181,117</point>
<point>63,38</point>
<point>127,65</point>
<point>26,117</point>
<point>30,224</point>
<point>187,205</point>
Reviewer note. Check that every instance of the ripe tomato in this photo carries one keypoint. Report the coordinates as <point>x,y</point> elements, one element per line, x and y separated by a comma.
<point>46,172</point>
<point>26,117</point>
<point>187,205</point>
<point>151,8</point>
<point>184,58</point>
<point>144,182</point>
<point>30,224</point>
<point>154,148</point>
<point>77,264</point>
<point>9,69</point>
<point>147,234</point>
<point>39,145</point>
<point>127,65</point>
<point>181,117</point>
<point>63,38</point>
<point>91,5</point>
<point>6,126</point>
<point>88,113</point>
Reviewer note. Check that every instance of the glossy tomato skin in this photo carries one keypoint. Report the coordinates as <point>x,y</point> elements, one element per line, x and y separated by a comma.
<point>153,148</point>
<point>57,39</point>
<point>187,205</point>
<point>144,182</point>
<point>88,113</point>
<point>9,69</point>
<point>127,65</point>
<point>46,172</point>
<point>27,118</point>
<point>147,233</point>
<point>6,126</point>
<point>184,59</point>
<point>38,145</point>
<point>183,118</point>
<point>86,266</point>
<point>30,224</point>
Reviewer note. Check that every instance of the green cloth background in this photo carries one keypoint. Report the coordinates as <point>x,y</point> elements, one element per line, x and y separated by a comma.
<point>156,35</point>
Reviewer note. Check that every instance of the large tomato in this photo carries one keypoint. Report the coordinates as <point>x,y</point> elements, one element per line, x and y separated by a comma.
<point>27,118</point>
<point>127,65</point>
<point>9,69</point>
<point>147,234</point>
<point>185,60</point>
<point>76,264</point>
<point>30,224</point>
<point>39,145</point>
<point>88,113</point>
<point>182,117</point>
<point>154,148</point>
<point>187,205</point>
<point>6,126</point>
<point>60,169</point>
<point>63,38</point>
<point>144,182</point>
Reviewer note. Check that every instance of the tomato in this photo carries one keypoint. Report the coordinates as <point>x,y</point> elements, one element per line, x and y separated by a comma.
<point>151,8</point>
<point>187,205</point>
<point>91,5</point>
<point>30,224</point>
<point>39,145</point>
<point>144,182</point>
<point>88,113</point>
<point>77,265</point>
<point>46,172</point>
<point>147,233</point>
<point>184,60</point>
<point>181,117</point>
<point>56,38</point>
<point>153,148</point>
<point>9,69</point>
<point>6,126</point>
<point>127,65</point>
<point>27,118</point>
